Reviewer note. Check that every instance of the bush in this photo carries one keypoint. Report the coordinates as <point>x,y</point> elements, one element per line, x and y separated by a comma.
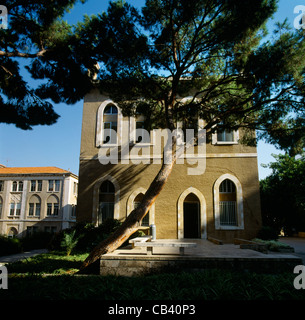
<point>88,235</point>
<point>9,245</point>
<point>37,240</point>
<point>268,233</point>
<point>69,242</point>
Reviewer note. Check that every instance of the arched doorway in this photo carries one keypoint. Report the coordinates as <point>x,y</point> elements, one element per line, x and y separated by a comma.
<point>192,200</point>
<point>191,217</point>
<point>106,201</point>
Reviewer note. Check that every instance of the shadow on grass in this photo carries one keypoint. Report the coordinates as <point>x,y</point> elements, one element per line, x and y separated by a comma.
<point>51,263</point>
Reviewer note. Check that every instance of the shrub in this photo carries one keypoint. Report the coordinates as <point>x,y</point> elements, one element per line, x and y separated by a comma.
<point>37,240</point>
<point>69,242</point>
<point>88,235</point>
<point>9,245</point>
<point>268,233</point>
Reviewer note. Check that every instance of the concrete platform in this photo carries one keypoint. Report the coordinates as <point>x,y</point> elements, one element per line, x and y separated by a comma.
<point>206,255</point>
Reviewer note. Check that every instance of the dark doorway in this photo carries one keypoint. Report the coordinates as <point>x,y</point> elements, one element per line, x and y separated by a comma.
<point>191,217</point>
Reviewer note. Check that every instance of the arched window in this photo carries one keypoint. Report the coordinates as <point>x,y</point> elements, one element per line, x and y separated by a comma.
<point>106,201</point>
<point>34,206</point>
<point>136,203</point>
<point>52,206</point>
<point>14,187</point>
<point>109,116</point>
<point>12,232</point>
<point>17,186</point>
<point>110,124</point>
<point>228,203</point>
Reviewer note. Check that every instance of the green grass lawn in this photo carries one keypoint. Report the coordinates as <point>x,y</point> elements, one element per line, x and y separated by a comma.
<point>51,276</point>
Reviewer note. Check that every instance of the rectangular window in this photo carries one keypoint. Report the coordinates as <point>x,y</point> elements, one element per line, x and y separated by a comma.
<point>55,209</point>
<point>225,136</point>
<point>228,215</point>
<point>20,186</point>
<point>39,186</point>
<point>1,185</point>
<point>18,209</point>
<point>57,185</point>
<point>33,185</point>
<point>51,185</point>
<point>49,209</point>
<point>73,213</point>
<point>31,209</point>
<point>37,210</point>
<point>12,209</point>
<point>75,188</point>
<point>108,136</point>
<point>14,187</point>
<point>54,185</point>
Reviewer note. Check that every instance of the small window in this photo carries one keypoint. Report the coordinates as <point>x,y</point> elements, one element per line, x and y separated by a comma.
<point>225,136</point>
<point>227,186</point>
<point>111,109</point>
<point>15,209</point>
<point>20,186</point>
<point>57,185</point>
<point>51,185</point>
<point>12,209</point>
<point>109,136</point>
<point>1,185</point>
<point>14,188</point>
<point>54,185</point>
<point>39,185</point>
<point>33,185</point>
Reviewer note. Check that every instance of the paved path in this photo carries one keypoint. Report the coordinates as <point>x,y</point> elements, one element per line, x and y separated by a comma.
<point>298,244</point>
<point>20,256</point>
<point>206,249</point>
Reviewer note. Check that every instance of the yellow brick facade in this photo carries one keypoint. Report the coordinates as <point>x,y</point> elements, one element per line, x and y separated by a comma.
<point>233,161</point>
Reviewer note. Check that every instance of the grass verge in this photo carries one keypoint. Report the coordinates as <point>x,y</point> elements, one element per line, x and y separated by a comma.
<point>50,277</point>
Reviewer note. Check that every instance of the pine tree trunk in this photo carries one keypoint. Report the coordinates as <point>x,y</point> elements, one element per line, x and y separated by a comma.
<point>133,221</point>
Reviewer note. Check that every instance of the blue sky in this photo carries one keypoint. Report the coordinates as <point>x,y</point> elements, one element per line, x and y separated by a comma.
<point>59,144</point>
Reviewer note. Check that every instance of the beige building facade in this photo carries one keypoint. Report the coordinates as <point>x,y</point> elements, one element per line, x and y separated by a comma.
<point>36,199</point>
<point>221,202</point>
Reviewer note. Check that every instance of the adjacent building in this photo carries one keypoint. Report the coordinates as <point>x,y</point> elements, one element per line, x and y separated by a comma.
<point>223,202</point>
<point>36,199</point>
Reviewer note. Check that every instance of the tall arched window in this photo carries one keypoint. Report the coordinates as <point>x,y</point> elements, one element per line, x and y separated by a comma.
<point>136,203</point>
<point>228,203</point>
<point>34,206</point>
<point>52,206</point>
<point>106,201</point>
<point>110,124</point>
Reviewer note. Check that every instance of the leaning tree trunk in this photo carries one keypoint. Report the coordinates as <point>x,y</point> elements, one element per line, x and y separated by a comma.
<point>133,221</point>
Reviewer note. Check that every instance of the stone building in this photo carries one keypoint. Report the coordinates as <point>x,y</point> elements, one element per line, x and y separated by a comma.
<point>222,202</point>
<point>36,199</point>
